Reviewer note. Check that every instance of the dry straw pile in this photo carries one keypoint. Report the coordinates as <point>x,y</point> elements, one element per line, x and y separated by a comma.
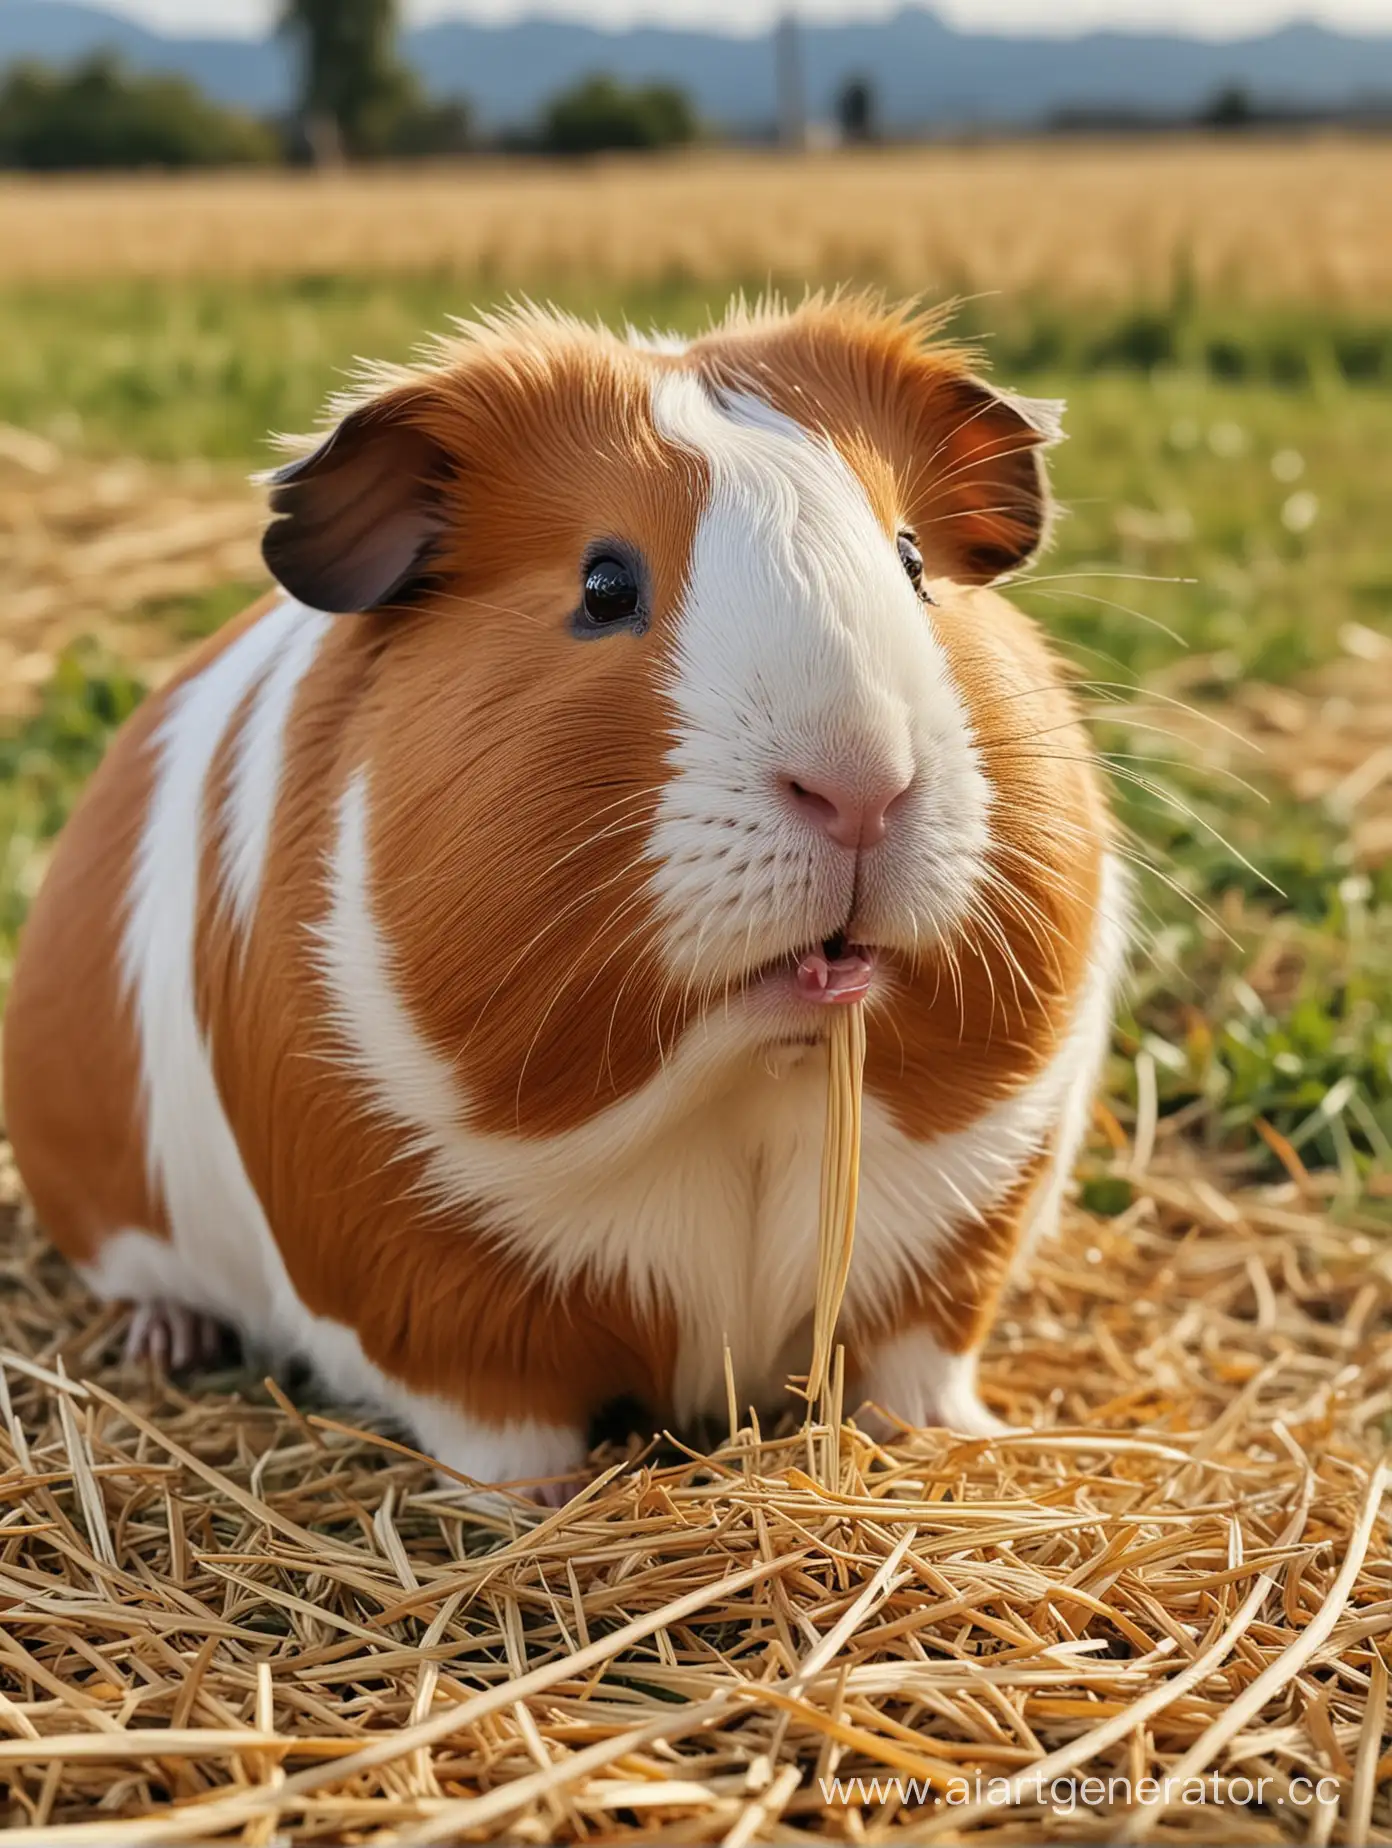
<point>101,550</point>
<point>1285,220</point>
<point>226,1618</point>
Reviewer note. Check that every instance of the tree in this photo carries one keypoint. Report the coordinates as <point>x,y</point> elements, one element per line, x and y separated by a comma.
<point>352,88</point>
<point>1232,107</point>
<point>857,110</point>
<point>98,114</point>
<point>599,114</point>
<point>423,128</point>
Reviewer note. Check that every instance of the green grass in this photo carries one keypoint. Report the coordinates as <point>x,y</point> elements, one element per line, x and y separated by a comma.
<point>1224,517</point>
<point>43,765</point>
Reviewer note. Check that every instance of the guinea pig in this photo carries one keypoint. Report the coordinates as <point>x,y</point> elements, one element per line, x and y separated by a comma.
<point>434,982</point>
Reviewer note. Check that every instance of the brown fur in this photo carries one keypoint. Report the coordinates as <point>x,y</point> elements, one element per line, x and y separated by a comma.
<point>936,449</point>
<point>434,1302</point>
<point>567,955</point>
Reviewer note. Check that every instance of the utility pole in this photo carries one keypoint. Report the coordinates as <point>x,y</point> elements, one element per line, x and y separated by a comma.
<point>792,101</point>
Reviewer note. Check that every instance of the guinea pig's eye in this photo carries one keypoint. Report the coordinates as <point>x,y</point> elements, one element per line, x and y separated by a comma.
<point>612,594</point>
<point>912,560</point>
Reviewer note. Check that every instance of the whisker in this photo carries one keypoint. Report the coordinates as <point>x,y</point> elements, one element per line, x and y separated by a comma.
<point>1110,603</point>
<point>1165,699</point>
<point>1031,578</point>
<point>1160,763</point>
<point>1162,794</point>
<point>451,599</point>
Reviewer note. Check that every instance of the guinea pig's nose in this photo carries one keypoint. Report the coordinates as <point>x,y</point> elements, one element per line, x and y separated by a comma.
<point>853,815</point>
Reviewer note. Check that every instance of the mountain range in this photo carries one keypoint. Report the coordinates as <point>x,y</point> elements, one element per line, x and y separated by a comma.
<point>924,72</point>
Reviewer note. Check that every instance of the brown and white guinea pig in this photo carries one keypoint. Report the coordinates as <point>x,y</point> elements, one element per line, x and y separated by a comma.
<point>434,980</point>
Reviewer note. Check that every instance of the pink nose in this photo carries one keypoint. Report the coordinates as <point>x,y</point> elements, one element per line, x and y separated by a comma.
<point>853,815</point>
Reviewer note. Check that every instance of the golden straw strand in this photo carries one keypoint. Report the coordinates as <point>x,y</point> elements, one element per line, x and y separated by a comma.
<point>840,1188</point>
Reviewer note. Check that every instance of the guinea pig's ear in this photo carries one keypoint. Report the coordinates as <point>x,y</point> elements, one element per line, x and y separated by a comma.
<point>357,519</point>
<point>982,497</point>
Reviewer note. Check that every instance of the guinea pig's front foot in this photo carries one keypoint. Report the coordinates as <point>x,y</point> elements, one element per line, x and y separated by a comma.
<point>917,1382</point>
<point>556,1494</point>
<point>172,1337</point>
<point>527,1460</point>
<point>546,1497</point>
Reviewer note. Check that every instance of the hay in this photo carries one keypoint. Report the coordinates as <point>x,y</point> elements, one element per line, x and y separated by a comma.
<point>1326,738</point>
<point>839,1192</point>
<point>229,1617</point>
<point>101,550</point>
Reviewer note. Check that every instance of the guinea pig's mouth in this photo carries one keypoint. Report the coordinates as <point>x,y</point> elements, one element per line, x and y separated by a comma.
<point>836,973</point>
<point>833,973</point>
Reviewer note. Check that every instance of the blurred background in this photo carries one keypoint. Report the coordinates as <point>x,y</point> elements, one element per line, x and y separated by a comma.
<point>1177,216</point>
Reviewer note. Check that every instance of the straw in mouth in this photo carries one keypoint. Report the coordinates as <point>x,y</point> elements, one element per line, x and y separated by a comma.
<point>837,1213</point>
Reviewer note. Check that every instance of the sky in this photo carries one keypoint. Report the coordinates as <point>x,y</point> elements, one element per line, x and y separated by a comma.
<point>1209,18</point>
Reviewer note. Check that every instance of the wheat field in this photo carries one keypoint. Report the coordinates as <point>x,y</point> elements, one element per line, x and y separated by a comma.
<point>1293,220</point>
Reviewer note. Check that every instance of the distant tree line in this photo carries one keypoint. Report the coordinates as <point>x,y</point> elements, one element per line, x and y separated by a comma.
<point>356,100</point>
<point>1232,109</point>
<point>100,115</point>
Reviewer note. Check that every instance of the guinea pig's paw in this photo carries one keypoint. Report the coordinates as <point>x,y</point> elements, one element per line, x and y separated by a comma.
<point>172,1337</point>
<point>556,1494</point>
<point>975,1421</point>
<point>919,1384</point>
<point>546,1497</point>
<point>972,1422</point>
<point>534,1462</point>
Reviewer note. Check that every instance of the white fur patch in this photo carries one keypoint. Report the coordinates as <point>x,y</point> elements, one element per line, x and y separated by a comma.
<point>193,1160</point>
<point>517,1451</point>
<point>137,1267</point>
<point>522,1450</point>
<point>408,1082</point>
<point>259,757</point>
<point>802,651</point>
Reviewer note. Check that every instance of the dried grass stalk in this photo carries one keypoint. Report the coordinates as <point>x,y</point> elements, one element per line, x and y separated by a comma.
<point>840,1188</point>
